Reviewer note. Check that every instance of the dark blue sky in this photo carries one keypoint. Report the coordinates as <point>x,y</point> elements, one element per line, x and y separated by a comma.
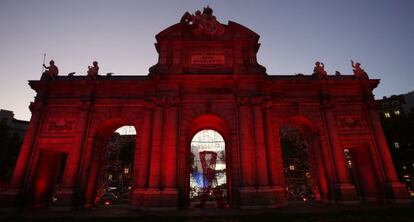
<point>120,35</point>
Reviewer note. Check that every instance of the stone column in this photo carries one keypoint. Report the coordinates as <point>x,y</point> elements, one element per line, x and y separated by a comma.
<point>169,194</point>
<point>151,198</point>
<point>86,171</point>
<point>261,164</point>
<point>9,197</point>
<point>395,191</point>
<point>382,146</point>
<point>274,159</point>
<point>95,154</point>
<point>345,191</point>
<point>36,122</point>
<point>170,148</point>
<point>155,167</point>
<point>248,165</point>
<point>266,195</point>
<point>142,159</point>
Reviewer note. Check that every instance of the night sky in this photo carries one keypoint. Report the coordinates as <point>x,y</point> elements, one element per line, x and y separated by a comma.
<point>120,36</point>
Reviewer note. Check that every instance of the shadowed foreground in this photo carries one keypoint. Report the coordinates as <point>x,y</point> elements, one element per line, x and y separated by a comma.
<point>295,212</point>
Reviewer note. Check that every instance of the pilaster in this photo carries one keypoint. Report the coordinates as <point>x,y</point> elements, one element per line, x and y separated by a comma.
<point>65,195</point>
<point>344,190</point>
<point>394,190</point>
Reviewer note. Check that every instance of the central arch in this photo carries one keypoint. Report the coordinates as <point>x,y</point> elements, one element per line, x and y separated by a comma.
<point>209,164</point>
<point>208,171</point>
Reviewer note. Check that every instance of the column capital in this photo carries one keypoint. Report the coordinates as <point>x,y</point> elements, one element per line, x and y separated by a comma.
<point>262,101</point>
<point>244,101</point>
<point>85,106</point>
<point>327,104</point>
<point>165,101</point>
<point>172,101</point>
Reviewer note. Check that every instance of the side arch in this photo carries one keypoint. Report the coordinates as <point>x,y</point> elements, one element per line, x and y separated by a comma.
<point>317,157</point>
<point>101,135</point>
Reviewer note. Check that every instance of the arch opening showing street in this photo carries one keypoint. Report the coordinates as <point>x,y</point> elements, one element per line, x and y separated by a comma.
<point>207,128</point>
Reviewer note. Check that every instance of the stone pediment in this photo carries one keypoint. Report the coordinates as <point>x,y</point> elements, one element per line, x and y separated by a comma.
<point>199,44</point>
<point>181,31</point>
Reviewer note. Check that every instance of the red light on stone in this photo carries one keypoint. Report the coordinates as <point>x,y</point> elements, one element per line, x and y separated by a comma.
<point>107,203</point>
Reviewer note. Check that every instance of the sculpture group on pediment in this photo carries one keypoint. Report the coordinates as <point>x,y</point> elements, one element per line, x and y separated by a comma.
<point>203,23</point>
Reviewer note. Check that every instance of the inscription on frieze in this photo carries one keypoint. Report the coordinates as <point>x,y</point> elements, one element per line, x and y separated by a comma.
<point>60,125</point>
<point>350,122</point>
<point>207,57</point>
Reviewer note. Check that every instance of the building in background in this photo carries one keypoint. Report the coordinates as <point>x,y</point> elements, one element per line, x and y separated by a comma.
<point>11,137</point>
<point>397,118</point>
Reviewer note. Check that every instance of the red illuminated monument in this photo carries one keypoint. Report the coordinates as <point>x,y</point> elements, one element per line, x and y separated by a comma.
<point>207,77</point>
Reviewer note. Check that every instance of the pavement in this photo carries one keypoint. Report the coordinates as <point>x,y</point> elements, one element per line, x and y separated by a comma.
<point>295,212</point>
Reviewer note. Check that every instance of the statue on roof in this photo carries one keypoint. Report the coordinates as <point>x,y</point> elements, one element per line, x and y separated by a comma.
<point>319,70</point>
<point>51,72</point>
<point>358,71</point>
<point>93,70</point>
<point>203,23</point>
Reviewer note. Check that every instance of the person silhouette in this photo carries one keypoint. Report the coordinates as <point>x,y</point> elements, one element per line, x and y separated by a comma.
<point>93,70</point>
<point>51,71</point>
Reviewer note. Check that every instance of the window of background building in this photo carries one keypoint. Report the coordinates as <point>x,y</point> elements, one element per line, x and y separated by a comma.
<point>397,112</point>
<point>396,145</point>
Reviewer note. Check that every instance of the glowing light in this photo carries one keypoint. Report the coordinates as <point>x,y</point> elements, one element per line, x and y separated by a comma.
<point>397,112</point>
<point>107,203</point>
<point>291,167</point>
<point>396,145</point>
<point>126,130</point>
